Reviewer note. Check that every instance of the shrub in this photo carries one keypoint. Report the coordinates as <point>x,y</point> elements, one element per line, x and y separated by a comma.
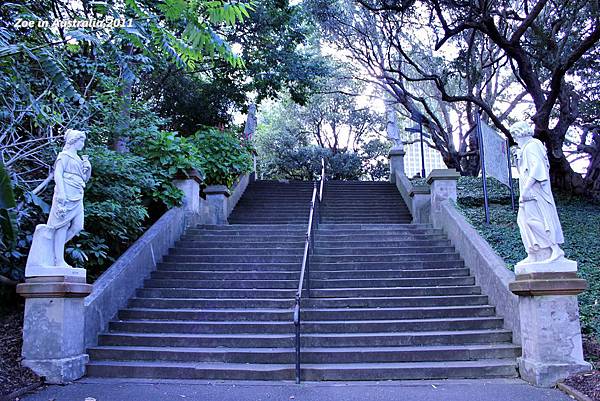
<point>221,155</point>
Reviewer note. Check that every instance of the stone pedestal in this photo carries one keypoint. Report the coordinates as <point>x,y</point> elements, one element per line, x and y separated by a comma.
<point>216,204</point>
<point>396,157</point>
<point>53,329</point>
<point>421,204</point>
<point>549,315</point>
<point>443,187</point>
<point>190,185</point>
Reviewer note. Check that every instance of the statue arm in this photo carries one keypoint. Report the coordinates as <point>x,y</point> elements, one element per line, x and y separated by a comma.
<point>59,181</point>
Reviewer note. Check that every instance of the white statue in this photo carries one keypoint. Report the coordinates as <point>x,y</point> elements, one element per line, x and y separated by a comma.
<point>393,132</point>
<point>537,218</point>
<point>71,173</point>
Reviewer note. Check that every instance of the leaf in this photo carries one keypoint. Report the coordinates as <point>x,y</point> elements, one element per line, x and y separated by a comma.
<point>7,196</point>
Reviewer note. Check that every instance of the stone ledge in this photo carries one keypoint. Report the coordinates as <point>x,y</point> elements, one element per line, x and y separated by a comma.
<point>419,190</point>
<point>54,287</point>
<point>190,175</point>
<point>217,190</point>
<point>557,283</point>
<point>442,174</point>
<point>396,152</point>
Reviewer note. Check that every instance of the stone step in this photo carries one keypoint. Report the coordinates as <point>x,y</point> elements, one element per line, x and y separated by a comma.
<point>383,227</point>
<point>361,302</point>
<point>270,251</point>
<point>483,368</point>
<point>317,293</point>
<point>314,275</point>
<point>215,293</point>
<point>397,257</point>
<point>488,368</point>
<point>263,340</point>
<point>329,326</point>
<point>391,282</point>
<point>289,258</point>
<point>375,237</point>
<point>264,314</point>
<point>263,238</point>
<point>364,219</point>
<point>221,284</point>
<point>397,234</point>
<point>309,355</point>
<point>381,251</point>
<point>225,246</point>
<point>229,267</point>
<point>325,244</point>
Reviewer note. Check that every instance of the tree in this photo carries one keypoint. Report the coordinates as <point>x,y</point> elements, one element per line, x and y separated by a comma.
<point>542,41</point>
<point>395,53</point>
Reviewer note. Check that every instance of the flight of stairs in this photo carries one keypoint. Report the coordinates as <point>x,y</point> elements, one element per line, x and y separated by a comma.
<point>389,299</point>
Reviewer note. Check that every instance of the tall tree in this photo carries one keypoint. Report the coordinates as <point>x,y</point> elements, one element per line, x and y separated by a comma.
<point>542,41</point>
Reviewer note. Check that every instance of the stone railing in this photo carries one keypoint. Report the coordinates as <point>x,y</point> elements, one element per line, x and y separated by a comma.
<point>64,315</point>
<point>543,315</point>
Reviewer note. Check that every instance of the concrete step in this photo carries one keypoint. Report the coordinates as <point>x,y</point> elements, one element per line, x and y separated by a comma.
<point>397,257</point>
<point>225,246</point>
<point>391,282</point>
<point>263,340</point>
<point>314,275</point>
<point>323,326</point>
<point>278,303</point>
<point>269,251</point>
<point>485,368</point>
<point>208,303</point>
<point>395,291</point>
<point>227,275</point>
<point>221,284</point>
<point>387,265</point>
<point>382,251</point>
<point>309,355</point>
<point>215,258</point>
<point>264,314</point>
<point>215,293</point>
<point>322,244</point>
<point>229,267</point>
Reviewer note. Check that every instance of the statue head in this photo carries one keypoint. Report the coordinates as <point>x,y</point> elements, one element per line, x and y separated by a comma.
<point>521,132</point>
<point>74,139</point>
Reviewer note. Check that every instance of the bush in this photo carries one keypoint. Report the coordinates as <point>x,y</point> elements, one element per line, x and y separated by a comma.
<point>222,156</point>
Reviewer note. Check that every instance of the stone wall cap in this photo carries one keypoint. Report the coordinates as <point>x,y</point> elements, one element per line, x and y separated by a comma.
<point>551,283</point>
<point>442,174</point>
<point>396,152</point>
<point>419,190</point>
<point>61,287</point>
<point>217,190</point>
<point>193,175</point>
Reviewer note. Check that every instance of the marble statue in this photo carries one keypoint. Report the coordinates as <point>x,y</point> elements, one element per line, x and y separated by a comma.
<point>71,172</point>
<point>393,132</point>
<point>538,221</point>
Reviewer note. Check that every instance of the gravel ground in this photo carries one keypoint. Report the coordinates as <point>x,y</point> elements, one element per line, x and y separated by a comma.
<point>588,383</point>
<point>12,376</point>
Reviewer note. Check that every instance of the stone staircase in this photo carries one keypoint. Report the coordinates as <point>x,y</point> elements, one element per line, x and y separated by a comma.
<point>389,299</point>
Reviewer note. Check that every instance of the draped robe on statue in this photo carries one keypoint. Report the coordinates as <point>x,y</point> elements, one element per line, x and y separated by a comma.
<point>74,184</point>
<point>537,219</point>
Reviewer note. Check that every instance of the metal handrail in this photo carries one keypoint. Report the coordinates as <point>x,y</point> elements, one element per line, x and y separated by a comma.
<point>305,270</point>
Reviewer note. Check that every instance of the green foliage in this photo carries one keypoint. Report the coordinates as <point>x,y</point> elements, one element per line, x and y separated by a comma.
<point>7,201</point>
<point>343,166</point>
<point>169,155</point>
<point>374,156</point>
<point>224,156</point>
<point>582,242</point>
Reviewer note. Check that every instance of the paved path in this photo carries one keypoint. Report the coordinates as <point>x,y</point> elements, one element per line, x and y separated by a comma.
<point>445,390</point>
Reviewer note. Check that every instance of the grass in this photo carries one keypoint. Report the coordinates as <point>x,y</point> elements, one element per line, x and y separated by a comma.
<point>580,221</point>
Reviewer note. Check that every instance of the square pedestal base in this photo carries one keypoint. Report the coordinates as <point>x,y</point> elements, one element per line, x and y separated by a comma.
<point>548,374</point>
<point>59,371</point>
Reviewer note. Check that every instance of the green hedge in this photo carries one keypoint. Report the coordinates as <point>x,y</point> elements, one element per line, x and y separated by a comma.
<point>581,226</point>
